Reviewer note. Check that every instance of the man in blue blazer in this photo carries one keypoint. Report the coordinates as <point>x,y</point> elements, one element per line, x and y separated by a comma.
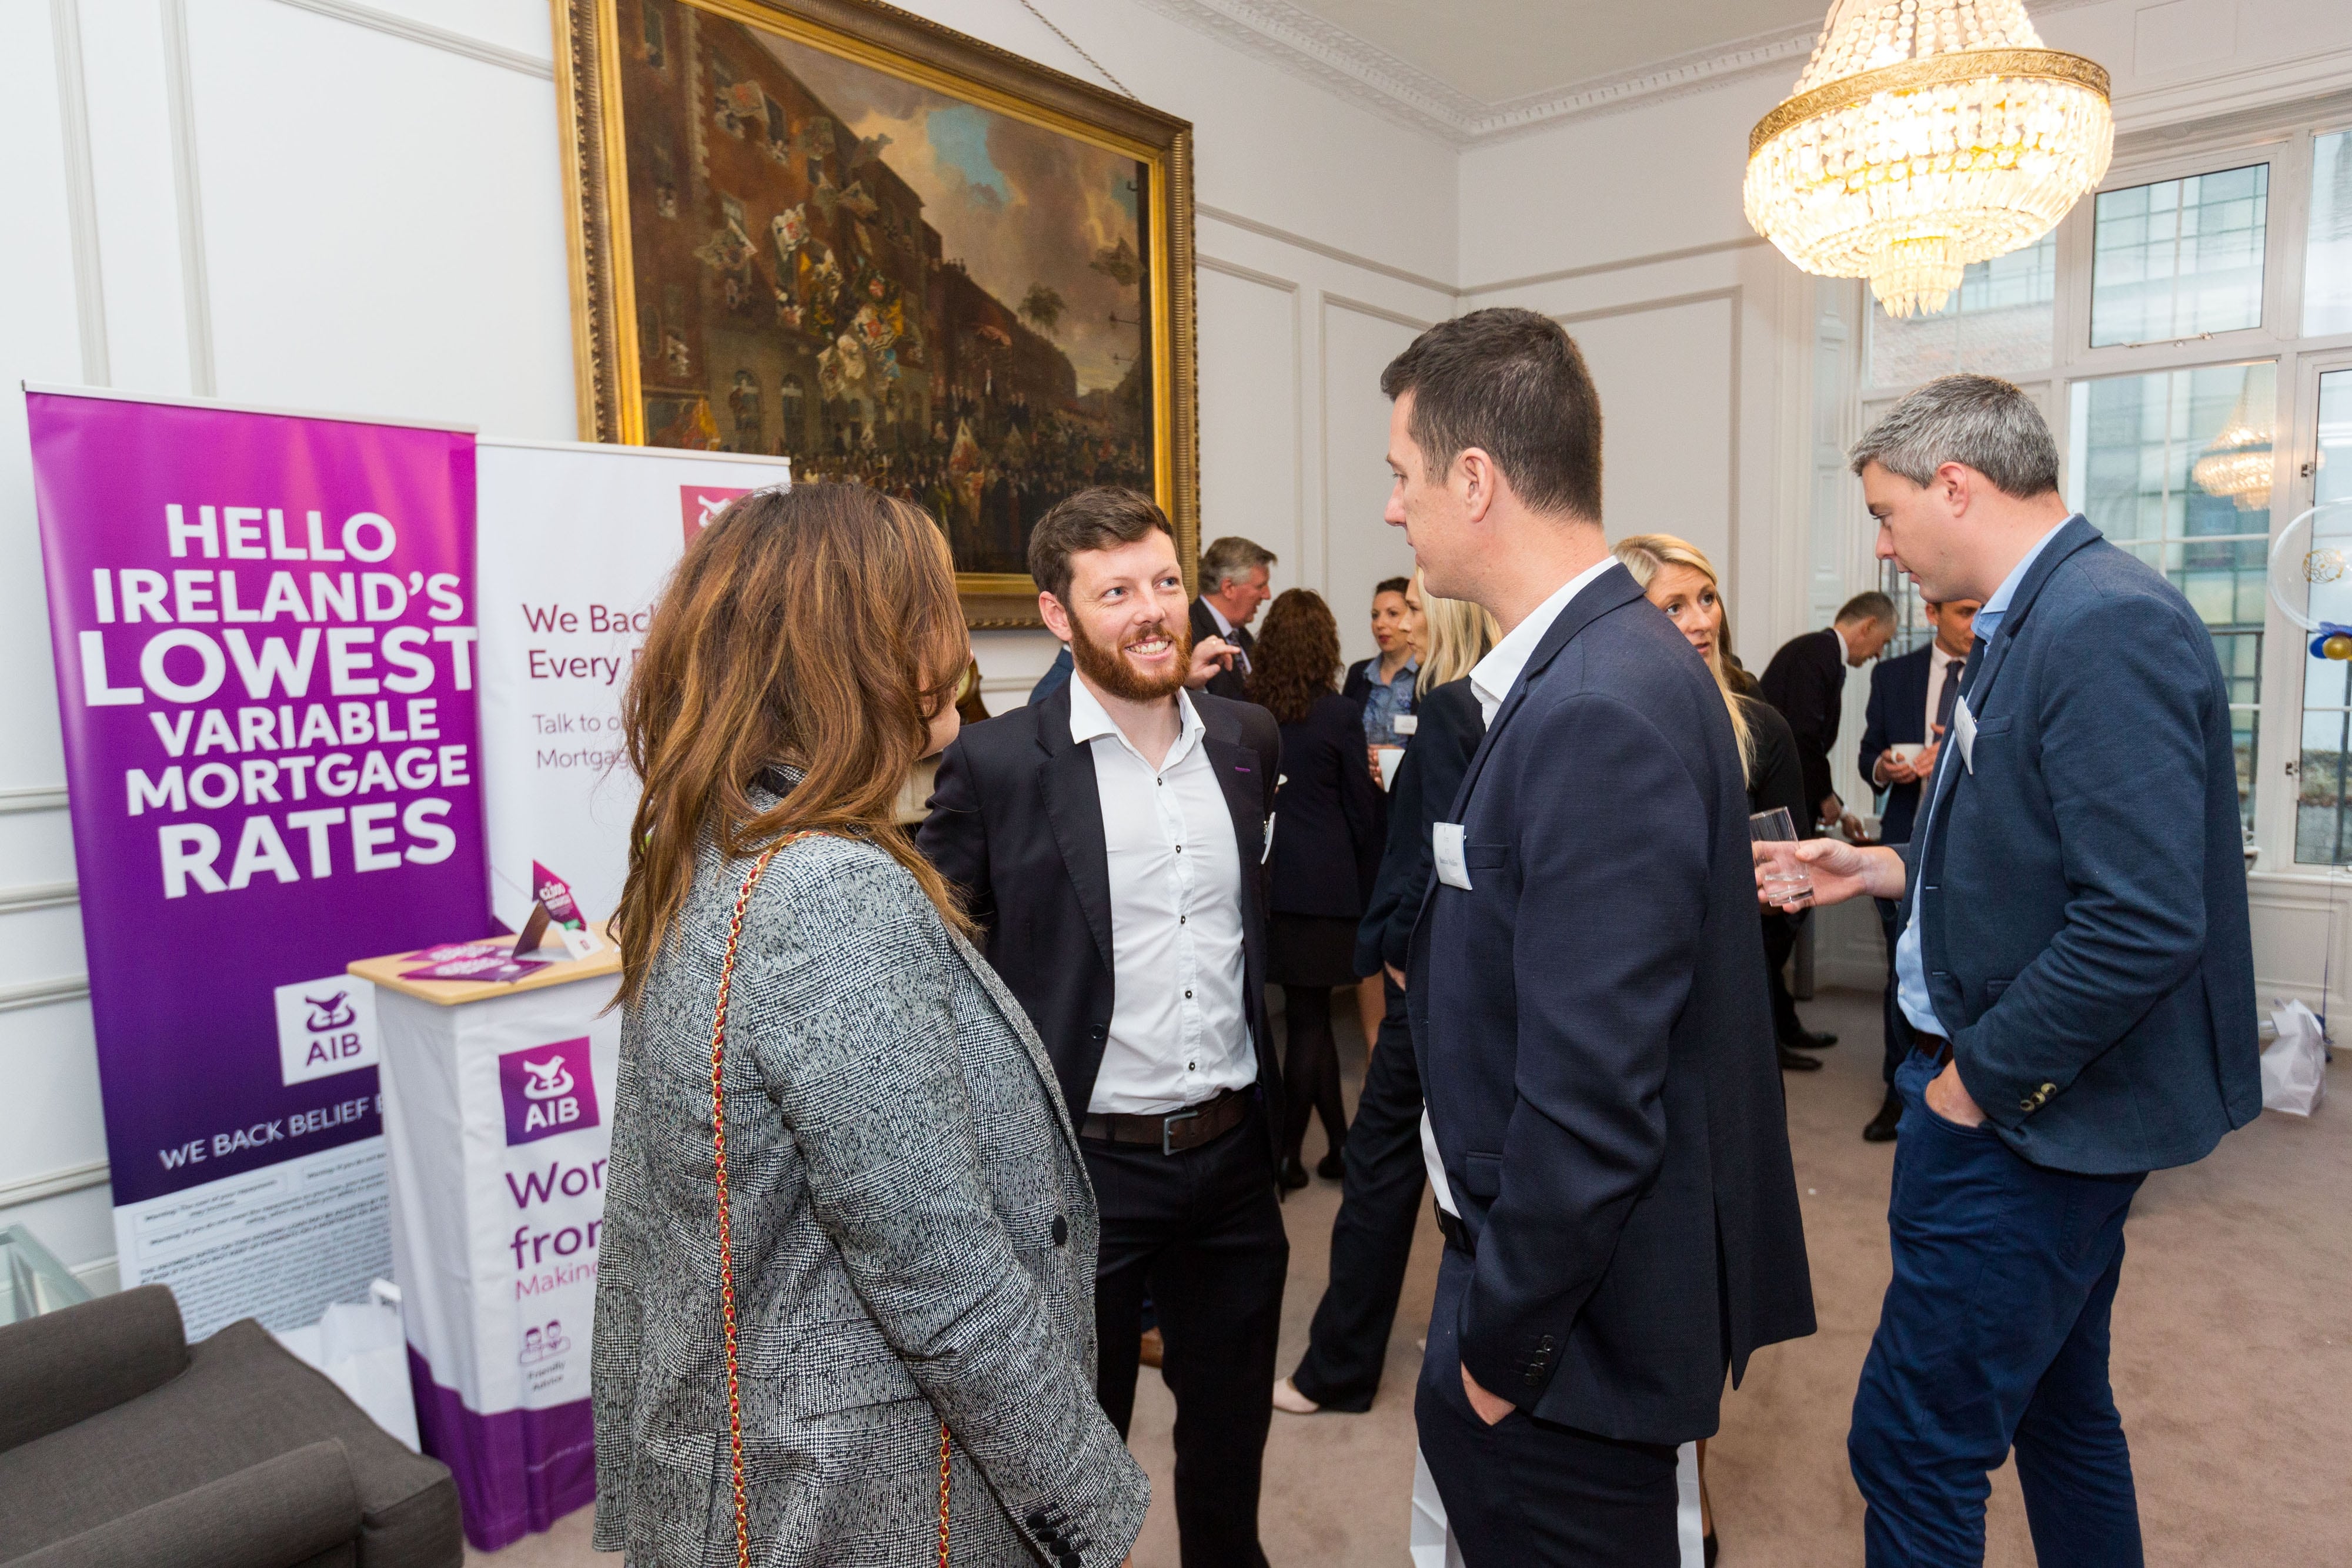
<point>2076,966</point>
<point>1608,1143</point>
<point>1911,701</point>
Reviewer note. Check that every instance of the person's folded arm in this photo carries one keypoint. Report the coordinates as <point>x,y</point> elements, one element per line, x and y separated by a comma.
<point>2123,759</point>
<point>1613,845</point>
<point>853,1023</point>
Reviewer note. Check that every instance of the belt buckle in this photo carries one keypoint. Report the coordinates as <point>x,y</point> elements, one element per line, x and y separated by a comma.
<point>1168,1124</point>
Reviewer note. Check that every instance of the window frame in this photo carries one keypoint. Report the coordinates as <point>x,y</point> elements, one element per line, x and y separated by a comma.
<point>2281,137</point>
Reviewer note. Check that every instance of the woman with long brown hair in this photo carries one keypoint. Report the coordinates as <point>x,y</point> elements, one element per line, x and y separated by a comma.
<point>844,1302</point>
<point>1326,846</point>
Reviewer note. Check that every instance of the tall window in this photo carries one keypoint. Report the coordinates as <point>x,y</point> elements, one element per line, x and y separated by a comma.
<point>2180,258</point>
<point>2322,815</point>
<point>2187,331</point>
<point>2175,467</point>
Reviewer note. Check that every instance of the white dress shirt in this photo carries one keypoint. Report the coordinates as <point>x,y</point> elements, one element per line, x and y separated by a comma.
<point>1941,667</point>
<point>1491,680</point>
<point>1492,677</point>
<point>1179,1032</point>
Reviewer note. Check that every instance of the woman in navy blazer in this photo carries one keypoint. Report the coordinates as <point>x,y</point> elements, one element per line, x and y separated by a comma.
<point>1326,845</point>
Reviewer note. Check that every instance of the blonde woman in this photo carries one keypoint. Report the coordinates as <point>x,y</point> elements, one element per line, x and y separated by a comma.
<point>1379,1202</point>
<point>1677,576</point>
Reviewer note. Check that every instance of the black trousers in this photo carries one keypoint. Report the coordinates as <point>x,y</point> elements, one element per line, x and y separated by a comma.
<point>1201,1232</point>
<point>1371,1235</point>
<point>1310,1069</point>
<point>1898,1028</point>
<point>1526,1493</point>
<point>1779,941</point>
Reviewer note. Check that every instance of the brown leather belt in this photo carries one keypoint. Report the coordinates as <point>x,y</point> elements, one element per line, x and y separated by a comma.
<point>1175,1131</point>
<point>1934,1047</point>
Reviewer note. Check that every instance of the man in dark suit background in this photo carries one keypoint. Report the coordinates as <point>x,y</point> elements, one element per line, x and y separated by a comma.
<point>1911,702</point>
<point>1806,681</point>
<point>1609,1151</point>
<point>1233,575</point>
<point>1109,840</point>
<point>2076,961</point>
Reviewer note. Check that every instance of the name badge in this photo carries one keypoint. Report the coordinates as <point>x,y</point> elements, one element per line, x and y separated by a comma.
<point>1404,724</point>
<point>1445,842</point>
<point>1964,724</point>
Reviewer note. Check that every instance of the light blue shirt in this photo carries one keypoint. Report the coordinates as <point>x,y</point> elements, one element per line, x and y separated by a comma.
<point>1910,966</point>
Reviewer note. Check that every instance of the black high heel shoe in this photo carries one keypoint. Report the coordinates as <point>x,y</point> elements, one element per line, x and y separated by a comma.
<point>1293,1175</point>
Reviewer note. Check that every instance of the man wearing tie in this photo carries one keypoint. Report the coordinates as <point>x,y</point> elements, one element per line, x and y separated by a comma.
<point>1234,573</point>
<point>1604,1126</point>
<point>1911,701</point>
<point>2076,964</point>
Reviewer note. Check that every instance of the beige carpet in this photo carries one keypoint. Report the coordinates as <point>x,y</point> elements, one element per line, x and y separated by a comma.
<point>2232,1363</point>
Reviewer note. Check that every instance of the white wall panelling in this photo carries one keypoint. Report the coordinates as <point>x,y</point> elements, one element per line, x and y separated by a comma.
<point>1250,418</point>
<point>356,205</point>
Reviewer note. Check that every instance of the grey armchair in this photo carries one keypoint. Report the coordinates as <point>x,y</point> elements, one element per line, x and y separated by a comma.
<point>122,1445</point>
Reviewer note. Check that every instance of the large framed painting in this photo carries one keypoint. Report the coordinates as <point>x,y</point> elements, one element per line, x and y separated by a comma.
<point>833,231</point>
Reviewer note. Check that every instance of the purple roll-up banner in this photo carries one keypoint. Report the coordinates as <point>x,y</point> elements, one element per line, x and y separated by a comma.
<point>264,628</point>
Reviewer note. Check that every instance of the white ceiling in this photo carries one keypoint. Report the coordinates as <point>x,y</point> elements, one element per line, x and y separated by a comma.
<point>1494,51</point>
<point>1472,70</point>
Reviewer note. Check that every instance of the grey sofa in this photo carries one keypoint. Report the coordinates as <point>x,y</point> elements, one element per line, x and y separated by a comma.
<point>122,1445</point>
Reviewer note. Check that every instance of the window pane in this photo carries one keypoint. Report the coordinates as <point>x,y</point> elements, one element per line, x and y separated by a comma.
<point>1999,323</point>
<point>2179,257</point>
<point>2175,467</point>
<point>2323,817</point>
<point>2327,258</point>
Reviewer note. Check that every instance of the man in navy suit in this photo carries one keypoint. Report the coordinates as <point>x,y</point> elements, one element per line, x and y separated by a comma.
<point>1911,701</point>
<point>2075,962</point>
<point>1604,1123</point>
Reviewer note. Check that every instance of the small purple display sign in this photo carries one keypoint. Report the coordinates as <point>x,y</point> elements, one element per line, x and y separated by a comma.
<point>473,961</point>
<point>263,629</point>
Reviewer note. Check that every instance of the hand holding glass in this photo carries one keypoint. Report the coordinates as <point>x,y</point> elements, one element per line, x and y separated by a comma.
<point>1783,879</point>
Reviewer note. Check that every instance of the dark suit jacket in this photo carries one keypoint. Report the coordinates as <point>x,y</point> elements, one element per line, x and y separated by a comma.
<point>1326,816</point>
<point>1230,684</point>
<point>1435,757</point>
<point>2087,942</point>
<point>1017,824</point>
<point>1775,777</point>
<point>1898,714</point>
<point>1805,681</point>
<point>1595,1042</point>
<point>1056,675</point>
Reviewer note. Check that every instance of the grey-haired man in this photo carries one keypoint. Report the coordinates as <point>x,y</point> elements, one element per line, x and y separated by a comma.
<point>2076,964</point>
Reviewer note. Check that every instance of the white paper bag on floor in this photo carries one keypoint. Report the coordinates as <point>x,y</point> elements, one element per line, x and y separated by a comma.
<point>2294,1065</point>
<point>361,1349</point>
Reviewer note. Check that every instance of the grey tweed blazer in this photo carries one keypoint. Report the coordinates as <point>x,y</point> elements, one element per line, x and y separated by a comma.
<point>914,1236</point>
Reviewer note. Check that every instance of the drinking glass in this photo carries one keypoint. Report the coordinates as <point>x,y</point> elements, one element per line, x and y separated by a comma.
<point>1785,880</point>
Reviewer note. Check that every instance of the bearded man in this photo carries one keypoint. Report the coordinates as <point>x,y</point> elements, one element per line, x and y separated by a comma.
<point>1107,838</point>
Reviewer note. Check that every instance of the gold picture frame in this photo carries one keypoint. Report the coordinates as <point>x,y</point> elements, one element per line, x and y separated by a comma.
<point>936,385</point>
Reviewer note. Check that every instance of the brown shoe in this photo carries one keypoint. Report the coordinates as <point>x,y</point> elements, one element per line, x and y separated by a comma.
<point>1150,1349</point>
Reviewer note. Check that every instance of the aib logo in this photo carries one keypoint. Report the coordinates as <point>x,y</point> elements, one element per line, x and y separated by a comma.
<point>330,1012</point>
<point>699,506</point>
<point>548,1088</point>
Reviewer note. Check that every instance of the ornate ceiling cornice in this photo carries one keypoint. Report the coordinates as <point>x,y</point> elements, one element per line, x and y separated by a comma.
<point>1306,45</point>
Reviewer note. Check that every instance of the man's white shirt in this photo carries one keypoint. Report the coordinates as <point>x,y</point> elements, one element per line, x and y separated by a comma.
<point>1491,680</point>
<point>1179,1031</point>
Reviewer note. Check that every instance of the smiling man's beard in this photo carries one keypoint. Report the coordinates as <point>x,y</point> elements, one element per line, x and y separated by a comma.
<point>1108,667</point>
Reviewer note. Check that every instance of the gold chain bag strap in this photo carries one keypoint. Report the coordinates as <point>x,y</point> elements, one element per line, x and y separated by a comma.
<point>726,1228</point>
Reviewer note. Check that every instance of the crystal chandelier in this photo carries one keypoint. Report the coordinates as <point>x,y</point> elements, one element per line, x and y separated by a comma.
<point>1924,135</point>
<point>2237,463</point>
